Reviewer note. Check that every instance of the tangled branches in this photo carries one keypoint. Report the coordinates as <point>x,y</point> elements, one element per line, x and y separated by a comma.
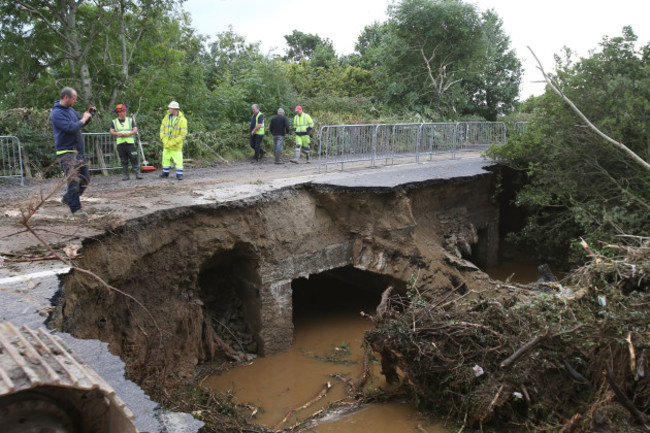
<point>569,364</point>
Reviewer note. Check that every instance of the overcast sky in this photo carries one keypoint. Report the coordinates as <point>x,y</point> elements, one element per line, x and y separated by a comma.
<point>546,26</point>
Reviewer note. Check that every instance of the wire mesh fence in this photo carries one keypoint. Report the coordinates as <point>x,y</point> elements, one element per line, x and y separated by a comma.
<point>11,158</point>
<point>385,143</point>
<point>101,152</point>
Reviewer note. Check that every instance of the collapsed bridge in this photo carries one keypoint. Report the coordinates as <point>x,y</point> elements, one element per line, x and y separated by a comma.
<point>191,266</point>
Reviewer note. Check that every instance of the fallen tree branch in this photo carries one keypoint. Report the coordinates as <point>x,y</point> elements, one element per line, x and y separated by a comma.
<point>523,349</point>
<point>484,417</point>
<point>572,424</point>
<point>431,307</point>
<point>640,417</point>
<point>366,371</point>
<point>618,144</point>
<point>323,392</point>
<point>574,373</point>
<point>31,210</point>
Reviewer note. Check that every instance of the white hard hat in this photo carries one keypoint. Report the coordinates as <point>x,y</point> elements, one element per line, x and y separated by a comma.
<point>173,104</point>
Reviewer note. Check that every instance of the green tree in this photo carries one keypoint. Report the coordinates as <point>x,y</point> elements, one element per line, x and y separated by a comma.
<point>436,42</point>
<point>229,56</point>
<point>338,80</point>
<point>26,55</point>
<point>492,87</point>
<point>573,183</point>
<point>305,46</point>
<point>239,75</point>
<point>87,45</point>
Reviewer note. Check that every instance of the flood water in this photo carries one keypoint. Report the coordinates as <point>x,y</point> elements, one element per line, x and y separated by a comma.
<point>518,272</point>
<point>328,335</point>
<point>327,343</point>
<point>323,347</point>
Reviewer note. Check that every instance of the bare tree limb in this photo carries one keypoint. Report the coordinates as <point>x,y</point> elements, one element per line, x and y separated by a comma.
<point>523,349</point>
<point>640,417</point>
<point>618,144</point>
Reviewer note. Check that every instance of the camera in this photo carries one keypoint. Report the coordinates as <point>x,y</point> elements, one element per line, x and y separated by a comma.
<point>92,110</point>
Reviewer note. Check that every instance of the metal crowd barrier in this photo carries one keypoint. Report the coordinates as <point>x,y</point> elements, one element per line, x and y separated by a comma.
<point>348,143</point>
<point>438,138</point>
<point>521,127</point>
<point>384,143</point>
<point>101,151</point>
<point>472,136</point>
<point>11,158</point>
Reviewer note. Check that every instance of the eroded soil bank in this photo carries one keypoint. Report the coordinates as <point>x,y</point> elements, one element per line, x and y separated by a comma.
<point>193,274</point>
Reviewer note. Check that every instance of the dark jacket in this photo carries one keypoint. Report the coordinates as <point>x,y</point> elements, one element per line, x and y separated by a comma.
<point>280,125</point>
<point>66,125</point>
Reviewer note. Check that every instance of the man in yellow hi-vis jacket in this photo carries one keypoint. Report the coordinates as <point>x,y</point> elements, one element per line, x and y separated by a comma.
<point>303,125</point>
<point>173,131</point>
<point>123,129</point>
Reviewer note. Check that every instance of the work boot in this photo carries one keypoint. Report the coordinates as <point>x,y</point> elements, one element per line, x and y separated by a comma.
<point>80,215</point>
<point>136,169</point>
<point>277,158</point>
<point>163,174</point>
<point>296,157</point>
<point>125,170</point>
<point>307,156</point>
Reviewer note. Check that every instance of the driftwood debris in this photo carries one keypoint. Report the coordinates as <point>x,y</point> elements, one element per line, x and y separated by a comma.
<point>639,416</point>
<point>574,373</point>
<point>33,259</point>
<point>523,349</point>
<point>382,309</point>
<point>323,392</point>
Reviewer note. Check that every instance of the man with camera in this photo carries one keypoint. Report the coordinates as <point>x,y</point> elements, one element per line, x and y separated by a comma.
<point>69,143</point>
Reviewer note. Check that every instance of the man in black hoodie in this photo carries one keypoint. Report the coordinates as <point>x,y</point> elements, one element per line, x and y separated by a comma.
<point>69,143</point>
<point>279,128</point>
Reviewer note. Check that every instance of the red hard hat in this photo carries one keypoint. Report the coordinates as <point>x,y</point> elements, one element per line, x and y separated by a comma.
<point>298,108</point>
<point>120,107</point>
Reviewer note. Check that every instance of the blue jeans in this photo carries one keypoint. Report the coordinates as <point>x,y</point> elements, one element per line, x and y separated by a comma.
<point>278,141</point>
<point>76,170</point>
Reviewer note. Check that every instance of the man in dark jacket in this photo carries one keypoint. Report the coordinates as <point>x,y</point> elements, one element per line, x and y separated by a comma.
<point>279,128</point>
<point>69,143</point>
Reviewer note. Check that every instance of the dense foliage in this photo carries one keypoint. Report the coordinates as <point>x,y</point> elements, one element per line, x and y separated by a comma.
<point>573,183</point>
<point>145,53</point>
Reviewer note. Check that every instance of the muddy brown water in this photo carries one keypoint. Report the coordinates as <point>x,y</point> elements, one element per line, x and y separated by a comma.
<point>323,347</point>
<point>327,344</point>
<point>518,271</point>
